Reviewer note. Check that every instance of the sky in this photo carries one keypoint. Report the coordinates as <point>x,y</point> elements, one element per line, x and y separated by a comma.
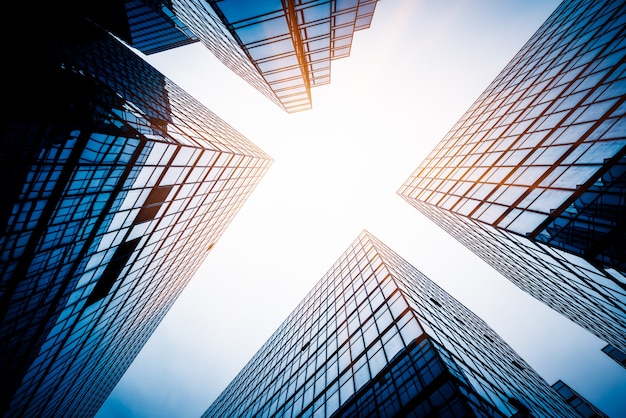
<point>336,171</point>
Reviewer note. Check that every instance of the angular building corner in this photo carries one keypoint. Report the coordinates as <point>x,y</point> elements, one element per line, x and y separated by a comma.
<point>291,44</point>
<point>375,337</point>
<point>532,178</point>
<point>283,48</point>
<point>116,185</point>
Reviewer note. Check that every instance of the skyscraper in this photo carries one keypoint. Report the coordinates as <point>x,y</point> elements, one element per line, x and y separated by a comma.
<point>116,185</point>
<point>282,48</point>
<point>585,408</point>
<point>375,337</point>
<point>532,178</point>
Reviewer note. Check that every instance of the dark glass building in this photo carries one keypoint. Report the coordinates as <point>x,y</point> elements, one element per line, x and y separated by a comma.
<point>376,338</point>
<point>532,178</point>
<point>585,408</point>
<point>282,48</point>
<point>116,185</point>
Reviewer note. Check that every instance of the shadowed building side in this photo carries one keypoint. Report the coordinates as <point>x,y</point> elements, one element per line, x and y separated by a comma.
<point>121,183</point>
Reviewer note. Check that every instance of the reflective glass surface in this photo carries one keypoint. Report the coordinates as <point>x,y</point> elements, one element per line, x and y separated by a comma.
<point>282,48</point>
<point>155,29</point>
<point>291,43</point>
<point>417,383</point>
<point>375,337</point>
<point>118,185</point>
<point>532,178</point>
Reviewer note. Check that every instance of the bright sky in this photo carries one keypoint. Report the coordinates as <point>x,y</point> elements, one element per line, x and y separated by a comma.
<point>336,172</point>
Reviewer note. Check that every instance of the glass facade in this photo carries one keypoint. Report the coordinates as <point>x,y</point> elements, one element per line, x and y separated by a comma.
<point>532,178</point>
<point>585,408</point>
<point>291,43</point>
<point>152,27</point>
<point>375,337</point>
<point>117,186</point>
<point>417,382</point>
<point>282,48</point>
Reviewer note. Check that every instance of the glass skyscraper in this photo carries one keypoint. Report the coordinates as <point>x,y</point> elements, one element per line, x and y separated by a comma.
<point>116,185</point>
<point>282,48</point>
<point>532,178</point>
<point>377,338</point>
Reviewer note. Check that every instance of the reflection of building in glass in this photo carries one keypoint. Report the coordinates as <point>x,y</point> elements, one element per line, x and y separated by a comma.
<point>375,337</point>
<point>116,185</point>
<point>532,178</point>
<point>585,408</point>
<point>282,48</point>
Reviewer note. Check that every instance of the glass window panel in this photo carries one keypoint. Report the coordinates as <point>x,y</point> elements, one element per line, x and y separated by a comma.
<point>346,390</point>
<point>318,44</point>
<point>599,151</point>
<point>491,212</point>
<point>526,222</point>
<point>271,49</point>
<point>319,12</point>
<point>342,31</point>
<point>575,176</point>
<point>156,153</point>
<point>236,10</point>
<point>172,175</point>
<point>377,359</point>
<point>267,29</point>
<point>275,64</point>
<point>332,403</point>
<point>510,195</point>
<point>319,56</point>
<point>549,200</point>
<point>342,42</point>
<point>361,376</point>
<point>366,9</point>
<point>411,331</point>
<point>394,344</point>
<point>322,29</point>
<point>346,4</point>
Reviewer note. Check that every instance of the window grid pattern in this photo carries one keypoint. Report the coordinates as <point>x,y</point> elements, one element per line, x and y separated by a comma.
<point>532,177</point>
<point>591,296</point>
<point>343,333</point>
<point>292,43</point>
<point>535,150</point>
<point>153,31</point>
<point>151,178</point>
<point>484,359</point>
<point>202,20</point>
<point>417,383</point>
<point>364,312</point>
<point>281,48</point>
